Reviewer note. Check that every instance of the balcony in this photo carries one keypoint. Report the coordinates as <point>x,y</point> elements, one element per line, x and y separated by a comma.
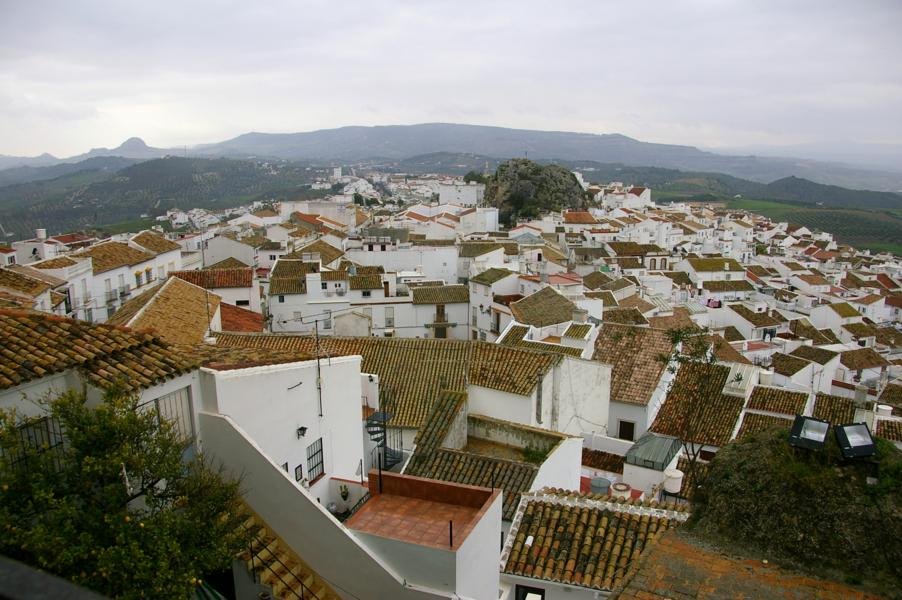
<point>111,296</point>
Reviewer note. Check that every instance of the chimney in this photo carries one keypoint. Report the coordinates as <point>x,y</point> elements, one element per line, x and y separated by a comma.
<point>579,315</point>
<point>41,234</point>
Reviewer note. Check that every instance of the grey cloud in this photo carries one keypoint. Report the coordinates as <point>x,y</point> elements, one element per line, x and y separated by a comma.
<point>698,72</point>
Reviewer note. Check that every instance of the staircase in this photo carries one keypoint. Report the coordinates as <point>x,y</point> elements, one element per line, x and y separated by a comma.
<point>377,428</point>
<point>276,565</point>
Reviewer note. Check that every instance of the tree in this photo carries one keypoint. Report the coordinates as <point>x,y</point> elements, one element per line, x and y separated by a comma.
<point>475,176</point>
<point>107,498</point>
<point>698,381</point>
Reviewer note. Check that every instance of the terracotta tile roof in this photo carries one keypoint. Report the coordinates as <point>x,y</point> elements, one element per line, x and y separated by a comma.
<point>286,286</point>
<point>679,567</point>
<point>154,242</point>
<point>133,306</point>
<point>288,267</point>
<point>635,354</point>
<point>580,540</point>
<point>635,301</point>
<point>778,400</point>
<point>30,271</point>
<point>787,365</point>
<point>36,345</point>
<point>578,331</point>
<point>860,330</point>
<point>228,263</point>
<point>366,282</point>
<point>444,294</point>
<point>60,262</point>
<point>819,355</point>
<point>236,318</point>
<point>414,370</point>
<point>606,297</point>
<point>218,278</point>
<point>892,395</point>
<point>265,212</point>
<point>731,334</point>
<point>543,308</point>
<point>752,423</point>
<point>579,217</point>
<point>436,426</point>
<point>678,277</point>
<point>844,309</point>
<point>475,469</point>
<point>221,358</point>
<point>710,265</point>
<point>490,276</point>
<point>804,329</point>
<point>327,253</point>
<point>739,285</point>
<point>178,312</point>
<point>23,284</point>
<point>889,430</point>
<point>604,461</point>
<point>862,358</point>
<point>596,279</point>
<point>836,409</point>
<point>112,255</point>
<point>696,410</point>
<point>888,336</point>
<point>725,352</point>
<point>758,319</point>
<point>515,337</point>
<point>474,249</point>
<point>624,316</point>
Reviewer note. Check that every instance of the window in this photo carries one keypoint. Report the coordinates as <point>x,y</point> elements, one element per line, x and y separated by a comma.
<point>370,247</point>
<point>285,466</point>
<point>89,315</point>
<point>175,408</point>
<point>382,247</point>
<point>138,279</point>
<point>473,321</point>
<point>366,293</point>
<point>475,335</point>
<point>524,592</point>
<point>121,281</point>
<point>298,472</point>
<point>272,257</point>
<point>315,460</point>
<point>627,430</point>
<point>281,298</point>
<point>323,285</point>
<point>337,285</point>
<point>389,316</point>
<point>482,336</point>
<point>242,302</point>
<point>44,435</point>
<point>161,272</point>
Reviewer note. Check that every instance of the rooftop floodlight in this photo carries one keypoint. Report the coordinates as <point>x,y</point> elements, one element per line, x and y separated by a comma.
<point>808,432</point>
<point>854,440</point>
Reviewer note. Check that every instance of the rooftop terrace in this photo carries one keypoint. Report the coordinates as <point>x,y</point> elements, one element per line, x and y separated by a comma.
<point>418,511</point>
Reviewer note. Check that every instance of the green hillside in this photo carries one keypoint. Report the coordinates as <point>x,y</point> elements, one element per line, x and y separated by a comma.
<point>88,199</point>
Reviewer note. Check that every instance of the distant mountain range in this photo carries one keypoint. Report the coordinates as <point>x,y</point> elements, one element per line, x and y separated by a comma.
<point>394,142</point>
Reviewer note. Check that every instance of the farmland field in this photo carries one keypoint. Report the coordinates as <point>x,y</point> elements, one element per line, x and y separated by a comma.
<point>879,229</point>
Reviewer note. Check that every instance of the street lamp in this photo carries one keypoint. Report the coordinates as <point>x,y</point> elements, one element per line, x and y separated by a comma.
<point>809,433</point>
<point>854,440</point>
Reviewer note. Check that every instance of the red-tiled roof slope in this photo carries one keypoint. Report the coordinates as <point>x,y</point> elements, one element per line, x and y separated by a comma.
<point>241,277</point>
<point>36,345</point>
<point>240,320</point>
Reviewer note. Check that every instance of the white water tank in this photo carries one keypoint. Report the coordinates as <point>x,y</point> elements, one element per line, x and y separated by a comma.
<point>673,481</point>
<point>621,490</point>
<point>40,234</point>
<point>884,410</point>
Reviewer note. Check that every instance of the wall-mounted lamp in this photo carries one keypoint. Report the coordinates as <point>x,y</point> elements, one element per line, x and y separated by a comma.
<point>302,431</point>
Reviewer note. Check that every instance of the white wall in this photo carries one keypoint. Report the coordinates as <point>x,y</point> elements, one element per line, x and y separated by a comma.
<point>562,467</point>
<point>439,262</point>
<point>501,405</point>
<point>306,526</point>
<point>583,397</point>
<point>270,403</point>
<point>477,557</point>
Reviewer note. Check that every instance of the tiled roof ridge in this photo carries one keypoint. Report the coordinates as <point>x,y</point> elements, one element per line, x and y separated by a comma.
<point>562,497</point>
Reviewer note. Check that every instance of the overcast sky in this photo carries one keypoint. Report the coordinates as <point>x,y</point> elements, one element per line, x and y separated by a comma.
<point>718,73</point>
